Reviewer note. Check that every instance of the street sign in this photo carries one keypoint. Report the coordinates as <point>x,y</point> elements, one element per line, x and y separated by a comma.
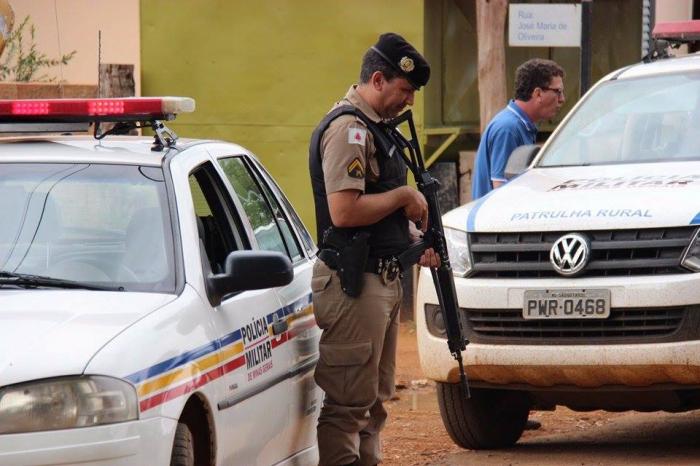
<point>544,25</point>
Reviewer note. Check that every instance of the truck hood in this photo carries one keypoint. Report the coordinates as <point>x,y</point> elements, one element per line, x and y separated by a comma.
<point>592,198</point>
<point>49,333</point>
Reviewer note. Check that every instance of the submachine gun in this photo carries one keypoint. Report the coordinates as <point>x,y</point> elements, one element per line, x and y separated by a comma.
<point>434,238</point>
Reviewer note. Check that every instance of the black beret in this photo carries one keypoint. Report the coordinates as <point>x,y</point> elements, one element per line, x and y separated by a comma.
<point>405,59</point>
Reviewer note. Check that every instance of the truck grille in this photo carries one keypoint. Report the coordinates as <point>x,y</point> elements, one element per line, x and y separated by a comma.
<point>655,251</point>
<point>624,324</point>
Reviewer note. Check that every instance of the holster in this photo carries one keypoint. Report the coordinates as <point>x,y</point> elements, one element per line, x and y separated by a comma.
<point>351,253</point>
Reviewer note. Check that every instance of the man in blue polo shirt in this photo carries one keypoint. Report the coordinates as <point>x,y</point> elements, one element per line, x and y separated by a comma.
<point>539,94</point>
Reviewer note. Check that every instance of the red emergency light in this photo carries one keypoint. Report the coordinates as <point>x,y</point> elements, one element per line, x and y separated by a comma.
<point>90,110</point>
<point>679,31</point>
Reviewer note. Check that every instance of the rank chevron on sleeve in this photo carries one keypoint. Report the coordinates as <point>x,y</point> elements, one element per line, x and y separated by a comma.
<point>355,169</point>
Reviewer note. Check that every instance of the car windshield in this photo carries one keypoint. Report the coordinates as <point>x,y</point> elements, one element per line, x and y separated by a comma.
<point>651,119</point>
<point>92,223</point>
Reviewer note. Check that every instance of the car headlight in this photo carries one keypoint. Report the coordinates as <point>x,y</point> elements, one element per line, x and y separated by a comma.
<point>66,403</point>
<point>691,259</point>
<point>458,250</point>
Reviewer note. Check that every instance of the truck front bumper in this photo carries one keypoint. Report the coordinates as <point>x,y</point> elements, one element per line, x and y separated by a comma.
<point>572,365</point>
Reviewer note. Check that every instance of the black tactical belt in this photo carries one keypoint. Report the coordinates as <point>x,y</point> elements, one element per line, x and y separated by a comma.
<point>387,267</point>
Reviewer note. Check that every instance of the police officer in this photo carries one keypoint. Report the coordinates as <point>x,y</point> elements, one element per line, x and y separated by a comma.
<point>363,213</point>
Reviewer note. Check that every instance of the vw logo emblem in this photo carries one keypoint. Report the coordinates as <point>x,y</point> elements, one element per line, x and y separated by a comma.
<point>570,254</point>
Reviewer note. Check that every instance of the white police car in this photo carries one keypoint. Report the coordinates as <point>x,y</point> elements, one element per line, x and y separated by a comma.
<point>155,301</point>
<point>578,281</point>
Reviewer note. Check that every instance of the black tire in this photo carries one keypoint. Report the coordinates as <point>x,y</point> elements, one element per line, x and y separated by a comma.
<point>183,446</point>
<point>489,419</point>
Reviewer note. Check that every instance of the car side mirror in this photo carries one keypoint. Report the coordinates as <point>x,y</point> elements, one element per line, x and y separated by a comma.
<point>520,159</point>
<point>250,270</point>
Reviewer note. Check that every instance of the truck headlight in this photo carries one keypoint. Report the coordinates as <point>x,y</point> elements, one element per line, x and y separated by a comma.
<point>66,403</point>
<point>435,321</point>
<point>691,259</point>
<point>458,250</point>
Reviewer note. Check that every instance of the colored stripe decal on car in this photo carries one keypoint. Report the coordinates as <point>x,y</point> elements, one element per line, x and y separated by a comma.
<point>190,370</point>
<point>193,384</point>
<point>696,219</point>
<point>163,382</point>
<point>471,218</point>
<point>178,360</point>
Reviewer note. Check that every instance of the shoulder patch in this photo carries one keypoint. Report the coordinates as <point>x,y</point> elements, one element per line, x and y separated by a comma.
<point>357,136</point>
<point>355,169</point>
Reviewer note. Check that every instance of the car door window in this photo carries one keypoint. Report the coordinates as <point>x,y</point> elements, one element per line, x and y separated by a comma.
<point>272,230</point>
<point>217,227</point>
<point>303,233</point>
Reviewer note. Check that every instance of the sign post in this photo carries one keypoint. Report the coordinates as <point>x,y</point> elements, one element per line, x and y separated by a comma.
<point>586,16</point>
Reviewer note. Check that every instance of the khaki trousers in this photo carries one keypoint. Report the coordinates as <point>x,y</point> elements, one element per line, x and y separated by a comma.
<point>356,365</point>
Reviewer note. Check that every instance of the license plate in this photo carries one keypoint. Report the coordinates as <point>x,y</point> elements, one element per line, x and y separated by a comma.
<point>566,304</point>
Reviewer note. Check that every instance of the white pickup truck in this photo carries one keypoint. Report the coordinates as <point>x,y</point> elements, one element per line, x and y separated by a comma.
<point>578,280</point>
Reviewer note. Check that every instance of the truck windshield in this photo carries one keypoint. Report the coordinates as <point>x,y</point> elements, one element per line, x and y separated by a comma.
<point>650,119</point>
<point>92,223</point>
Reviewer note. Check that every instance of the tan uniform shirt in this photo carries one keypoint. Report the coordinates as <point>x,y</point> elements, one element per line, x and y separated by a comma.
<point>347,148</point>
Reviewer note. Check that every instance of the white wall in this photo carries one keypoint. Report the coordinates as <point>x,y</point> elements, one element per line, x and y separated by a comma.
<point>75,24</point>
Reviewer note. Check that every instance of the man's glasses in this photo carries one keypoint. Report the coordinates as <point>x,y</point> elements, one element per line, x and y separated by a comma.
<point>559,92</point>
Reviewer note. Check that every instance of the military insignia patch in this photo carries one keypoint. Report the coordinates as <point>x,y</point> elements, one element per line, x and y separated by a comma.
<point>406,64</point>
<point>355,169</point>
<point>357,136</point>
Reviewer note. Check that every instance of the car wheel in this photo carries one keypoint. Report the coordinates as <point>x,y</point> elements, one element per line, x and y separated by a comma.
<point>489,419</point>
<point>183,446</point>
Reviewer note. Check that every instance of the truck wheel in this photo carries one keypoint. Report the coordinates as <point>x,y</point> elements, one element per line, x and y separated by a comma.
<point>489,419</point>
<point>183,446</point>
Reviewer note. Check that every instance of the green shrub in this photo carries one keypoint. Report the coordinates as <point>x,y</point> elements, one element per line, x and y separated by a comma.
<point>20,62</point>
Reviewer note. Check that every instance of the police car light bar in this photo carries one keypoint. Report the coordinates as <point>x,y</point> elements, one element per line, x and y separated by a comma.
<point>677,31</point>
<point>90,110</point>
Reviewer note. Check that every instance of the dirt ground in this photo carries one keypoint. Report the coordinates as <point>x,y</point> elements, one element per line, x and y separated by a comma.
<point>415,435</point>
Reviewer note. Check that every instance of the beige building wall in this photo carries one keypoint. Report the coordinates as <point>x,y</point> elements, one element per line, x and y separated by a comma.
<point>674,10</point>
<point>66,25</point>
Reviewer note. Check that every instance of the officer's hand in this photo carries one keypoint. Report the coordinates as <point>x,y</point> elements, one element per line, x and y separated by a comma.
<point>416,209</point>
<point>429,259</point>
<point>414,234</point>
